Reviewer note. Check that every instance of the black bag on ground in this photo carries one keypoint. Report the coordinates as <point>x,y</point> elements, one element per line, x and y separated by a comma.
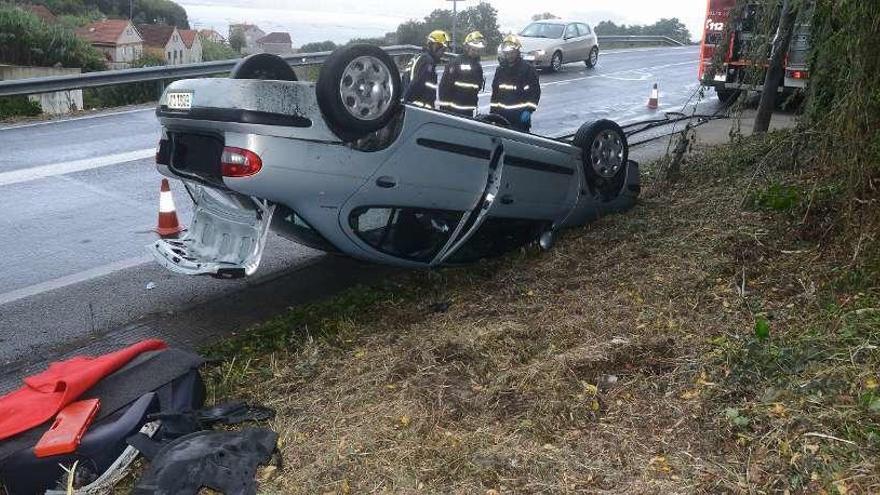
<point>166,381</point>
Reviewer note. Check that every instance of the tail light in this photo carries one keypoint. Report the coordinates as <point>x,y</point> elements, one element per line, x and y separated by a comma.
<point>237,162</point>
<point>798,74</point>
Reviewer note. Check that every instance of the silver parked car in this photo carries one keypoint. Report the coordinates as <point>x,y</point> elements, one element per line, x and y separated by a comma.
<point>342,165</point>
<point>550,44</point>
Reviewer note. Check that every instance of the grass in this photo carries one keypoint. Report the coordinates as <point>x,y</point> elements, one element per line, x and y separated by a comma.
<point>722,337</point>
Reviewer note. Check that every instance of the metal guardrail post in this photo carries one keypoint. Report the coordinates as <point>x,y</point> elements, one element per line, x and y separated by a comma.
<point>39,85</point>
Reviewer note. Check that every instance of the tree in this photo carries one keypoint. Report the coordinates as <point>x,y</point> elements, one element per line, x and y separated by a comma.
<point>26,40</point>
<point>212,50</point>
<point>237,40</point>
<point>672,28</point>
<point>544,16</point>
<point>320,46</point>
<point>144,11</point>
<point>482,17</point>
<point>776,66</point>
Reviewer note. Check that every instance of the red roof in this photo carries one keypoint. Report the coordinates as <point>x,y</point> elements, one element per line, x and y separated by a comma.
<point>188,36</point>
<point>275,37</point>
<point>105,32</point>
<point>41,11</point>
<point>155,35</point>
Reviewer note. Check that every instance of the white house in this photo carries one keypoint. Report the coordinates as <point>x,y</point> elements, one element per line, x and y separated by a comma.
<point>192,40</point>
<point>251,33</point>
<point>118,39</point>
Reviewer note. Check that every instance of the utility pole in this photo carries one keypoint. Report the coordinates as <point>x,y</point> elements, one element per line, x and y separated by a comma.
<point>454,21</point>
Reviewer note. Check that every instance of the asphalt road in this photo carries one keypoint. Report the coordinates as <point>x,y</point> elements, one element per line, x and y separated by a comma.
<point>79,199</point>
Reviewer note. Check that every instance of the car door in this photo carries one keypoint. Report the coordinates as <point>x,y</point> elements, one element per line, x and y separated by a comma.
<point>571,40</point>
<point>418,201</point>
<point>589,39</point>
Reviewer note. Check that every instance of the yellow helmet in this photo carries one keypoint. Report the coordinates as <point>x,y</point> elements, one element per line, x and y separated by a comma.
<point>475,40</point>
<point>439,36</point>
<point>511,42</point>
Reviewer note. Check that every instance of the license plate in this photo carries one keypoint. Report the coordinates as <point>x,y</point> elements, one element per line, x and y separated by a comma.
<point>179,101</point>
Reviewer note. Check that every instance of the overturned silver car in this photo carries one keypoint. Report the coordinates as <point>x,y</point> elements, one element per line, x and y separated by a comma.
<point>343,165</point>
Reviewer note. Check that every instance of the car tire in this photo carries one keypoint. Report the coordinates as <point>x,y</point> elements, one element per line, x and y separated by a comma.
<point>263,66</point>
<point>351,111</point>
<point>555,63</point>
<point>594,58</point>
<point>605,154</point>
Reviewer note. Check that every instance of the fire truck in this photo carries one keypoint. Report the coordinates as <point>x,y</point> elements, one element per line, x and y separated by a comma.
<point>730,34</point>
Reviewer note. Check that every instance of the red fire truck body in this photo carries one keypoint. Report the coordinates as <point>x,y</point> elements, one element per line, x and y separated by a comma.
<point>739,25</point>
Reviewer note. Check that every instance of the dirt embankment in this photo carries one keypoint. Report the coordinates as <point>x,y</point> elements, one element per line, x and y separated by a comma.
<point>719,338</point>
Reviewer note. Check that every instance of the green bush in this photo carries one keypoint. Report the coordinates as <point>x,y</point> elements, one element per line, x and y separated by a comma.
<point>18,106</point>
<point>126,94</point>
<point>26,40</point>
<point>844,98</point>
<point>211,50</point>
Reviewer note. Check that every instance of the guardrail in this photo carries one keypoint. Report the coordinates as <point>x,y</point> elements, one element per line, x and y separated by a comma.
<point>662,40</point>
<point>164,72</point>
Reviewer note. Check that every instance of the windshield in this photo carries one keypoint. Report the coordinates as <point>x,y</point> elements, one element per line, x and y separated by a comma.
<point>542,30</point>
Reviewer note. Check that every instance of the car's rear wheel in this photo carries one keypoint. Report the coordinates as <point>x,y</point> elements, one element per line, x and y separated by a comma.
<point>605,157</point>
<point>594,58</point>
<point>263,66</point>
<point>359,90</point>
<point>556,62</point>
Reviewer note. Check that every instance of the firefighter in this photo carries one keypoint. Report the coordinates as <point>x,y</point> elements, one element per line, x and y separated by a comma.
<point>421,79</point>
<point>463,79</point>
<point>515,89</point>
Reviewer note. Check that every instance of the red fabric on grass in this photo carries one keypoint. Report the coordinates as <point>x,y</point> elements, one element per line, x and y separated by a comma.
<point>46,393</point>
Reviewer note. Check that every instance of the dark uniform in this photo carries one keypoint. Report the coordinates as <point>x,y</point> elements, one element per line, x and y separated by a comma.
<point>461,86</point>
<point>421,81</point>
<point>515,90</point>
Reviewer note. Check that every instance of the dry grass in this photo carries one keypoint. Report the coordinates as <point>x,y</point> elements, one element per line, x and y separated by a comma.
<point>623,361</point>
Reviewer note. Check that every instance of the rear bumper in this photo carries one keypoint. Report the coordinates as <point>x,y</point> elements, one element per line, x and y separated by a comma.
<point>226,238</point>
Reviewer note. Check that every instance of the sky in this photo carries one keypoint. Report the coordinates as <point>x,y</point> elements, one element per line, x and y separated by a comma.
<point>341,20</point>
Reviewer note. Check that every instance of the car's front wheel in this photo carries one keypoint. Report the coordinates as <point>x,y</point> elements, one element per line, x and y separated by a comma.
<point>556,62</point>
<point>605,156</point>
<point>594,58</point>
<point>359,90</point>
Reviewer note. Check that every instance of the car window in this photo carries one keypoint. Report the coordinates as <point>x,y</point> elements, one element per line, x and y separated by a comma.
<point>584,29</point>
<point>410,233</point>
<point>542,30</point>
<point>498,236</point>
<point>571,31</point>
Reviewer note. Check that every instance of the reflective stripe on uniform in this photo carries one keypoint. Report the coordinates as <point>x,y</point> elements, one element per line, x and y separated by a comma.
<point>508,87</point>
<point>519,106</point>
<point>526,87</point>
<point>442,104</point>
<point>465,67</point>
<point>431,85</point>
<point>412,69</point>
<point>466,85</point>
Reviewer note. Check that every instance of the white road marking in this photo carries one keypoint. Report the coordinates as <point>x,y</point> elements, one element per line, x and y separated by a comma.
<point>74,119</point>
<point>43,171</point>
<point>72,279</point>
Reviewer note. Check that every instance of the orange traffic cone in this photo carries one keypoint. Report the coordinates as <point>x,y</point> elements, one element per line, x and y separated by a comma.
<point>168,224</point>
<point>654,100</point>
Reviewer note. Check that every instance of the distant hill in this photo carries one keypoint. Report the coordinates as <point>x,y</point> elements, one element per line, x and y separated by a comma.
<point>145,11</point>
